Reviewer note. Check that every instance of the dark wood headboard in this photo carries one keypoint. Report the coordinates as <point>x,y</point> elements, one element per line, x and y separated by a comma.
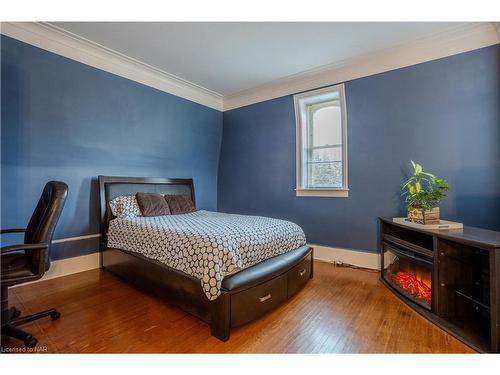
<point>111,187</point>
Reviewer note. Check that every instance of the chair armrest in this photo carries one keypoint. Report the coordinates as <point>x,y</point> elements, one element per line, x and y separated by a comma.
<point>26,246</point>
<point>15,230</point>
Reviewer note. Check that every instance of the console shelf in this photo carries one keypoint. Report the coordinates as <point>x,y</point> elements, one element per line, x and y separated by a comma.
<point>458,271</point>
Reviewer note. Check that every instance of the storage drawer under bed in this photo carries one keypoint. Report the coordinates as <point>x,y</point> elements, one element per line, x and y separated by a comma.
<point>256,301</point>
<point>299,275</point>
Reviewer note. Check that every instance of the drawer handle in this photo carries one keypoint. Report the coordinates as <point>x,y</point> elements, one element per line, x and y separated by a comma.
<point>265,298</point>
<point>302,272</point>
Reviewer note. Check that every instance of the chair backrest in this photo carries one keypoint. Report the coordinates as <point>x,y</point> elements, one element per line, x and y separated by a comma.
<point>43,222</point>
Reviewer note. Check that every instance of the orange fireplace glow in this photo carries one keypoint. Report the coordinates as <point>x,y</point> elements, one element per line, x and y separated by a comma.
<point>414,284</point>
<point>410,273</point>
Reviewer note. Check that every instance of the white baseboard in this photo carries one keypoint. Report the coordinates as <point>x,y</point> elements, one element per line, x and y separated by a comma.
<point>69,266</point>
<point>73,265</point>
<point>346,256</point>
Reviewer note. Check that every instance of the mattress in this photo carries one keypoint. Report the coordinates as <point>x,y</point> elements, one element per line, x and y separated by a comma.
<point>204,244</point>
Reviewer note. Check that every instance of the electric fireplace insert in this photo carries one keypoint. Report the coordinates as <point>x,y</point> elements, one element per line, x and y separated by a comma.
<point>410,273</point>
<point>451,277</point>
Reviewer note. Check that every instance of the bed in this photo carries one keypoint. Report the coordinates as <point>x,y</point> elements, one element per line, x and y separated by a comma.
<point>225,269</point>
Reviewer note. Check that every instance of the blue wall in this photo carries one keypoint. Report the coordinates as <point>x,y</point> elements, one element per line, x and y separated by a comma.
<point>67,121</point>
<point>444,114</point>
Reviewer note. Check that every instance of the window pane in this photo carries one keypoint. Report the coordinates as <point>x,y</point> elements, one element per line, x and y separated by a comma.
<point>321,133</point>
<point>326,154</point>
<point>325,146</point>
<point>325,175</point>
<point>327,126</point>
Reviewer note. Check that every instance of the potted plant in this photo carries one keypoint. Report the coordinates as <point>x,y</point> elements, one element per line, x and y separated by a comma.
<point>423,191</point>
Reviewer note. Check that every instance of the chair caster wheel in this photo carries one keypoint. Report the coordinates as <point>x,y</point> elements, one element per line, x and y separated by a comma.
<point>30,341</point>
<point>16,313</point>
<point>55,315</point>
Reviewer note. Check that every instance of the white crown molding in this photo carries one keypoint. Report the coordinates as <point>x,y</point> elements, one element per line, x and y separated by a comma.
<point>458,40</point>
<point>497,26</point>
<point>64,43</point>
<point>51,38</point>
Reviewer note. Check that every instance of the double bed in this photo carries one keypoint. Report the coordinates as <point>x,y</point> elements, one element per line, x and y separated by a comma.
<point>225,269</point>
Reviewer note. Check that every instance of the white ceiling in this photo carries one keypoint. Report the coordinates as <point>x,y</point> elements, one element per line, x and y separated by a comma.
<point>230,57</point>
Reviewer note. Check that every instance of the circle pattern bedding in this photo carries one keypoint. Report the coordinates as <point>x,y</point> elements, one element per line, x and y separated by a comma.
<point>204,244</point>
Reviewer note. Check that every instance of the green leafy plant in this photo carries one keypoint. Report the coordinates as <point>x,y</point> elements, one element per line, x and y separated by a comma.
<point>423,190</point>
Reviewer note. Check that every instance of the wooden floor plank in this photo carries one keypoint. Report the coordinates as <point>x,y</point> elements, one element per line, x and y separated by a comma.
<point>341,310</point>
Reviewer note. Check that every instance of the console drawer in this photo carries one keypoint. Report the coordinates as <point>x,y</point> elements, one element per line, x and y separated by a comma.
<point>256,301</point>
<point>299,275</point>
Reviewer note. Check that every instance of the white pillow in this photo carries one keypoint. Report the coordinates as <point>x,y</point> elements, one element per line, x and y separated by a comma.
<point>125,206</point>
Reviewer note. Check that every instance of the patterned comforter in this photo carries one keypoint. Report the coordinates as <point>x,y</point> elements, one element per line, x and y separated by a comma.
<point>206,245</point>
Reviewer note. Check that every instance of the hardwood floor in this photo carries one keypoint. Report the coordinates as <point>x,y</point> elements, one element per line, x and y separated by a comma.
<point>341,310</point>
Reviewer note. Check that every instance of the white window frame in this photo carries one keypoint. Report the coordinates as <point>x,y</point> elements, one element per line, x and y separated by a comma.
<point>301,101</point>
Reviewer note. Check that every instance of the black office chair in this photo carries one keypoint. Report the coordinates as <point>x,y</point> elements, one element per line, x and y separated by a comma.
<point>29,261</point>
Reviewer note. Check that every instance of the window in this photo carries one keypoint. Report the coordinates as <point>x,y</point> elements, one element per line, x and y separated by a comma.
<point>321,143</point>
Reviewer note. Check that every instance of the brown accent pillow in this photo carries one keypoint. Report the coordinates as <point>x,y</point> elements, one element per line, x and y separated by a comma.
<point>152,204</point>
<point>180,204</point>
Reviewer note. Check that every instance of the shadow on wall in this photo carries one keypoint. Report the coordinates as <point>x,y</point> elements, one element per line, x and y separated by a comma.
<point>88,188</point>
<point>487,211</point>
<point>479,210</point>
<point>478,184</point>
<point>88,195</point>
<point>12,99</point>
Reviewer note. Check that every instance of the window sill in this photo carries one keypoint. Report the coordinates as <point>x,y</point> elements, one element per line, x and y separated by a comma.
<point>336,193</point>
